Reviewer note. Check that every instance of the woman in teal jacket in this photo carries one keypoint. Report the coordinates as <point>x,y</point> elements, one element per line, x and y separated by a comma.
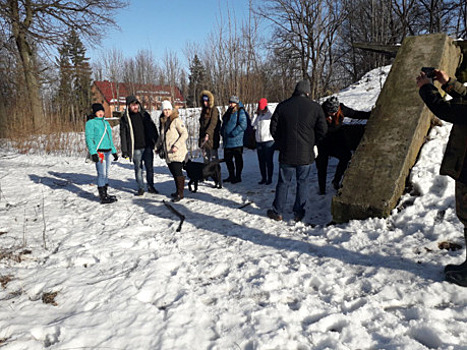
<point>233,127</point>
<point>100,145</point>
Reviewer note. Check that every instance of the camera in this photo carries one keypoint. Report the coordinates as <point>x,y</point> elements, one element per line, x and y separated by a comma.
<point>429,71</point>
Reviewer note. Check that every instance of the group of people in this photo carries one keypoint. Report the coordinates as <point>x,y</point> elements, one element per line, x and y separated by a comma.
<point>296,128</point>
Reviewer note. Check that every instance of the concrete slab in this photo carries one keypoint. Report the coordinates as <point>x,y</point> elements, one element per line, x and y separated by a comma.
<point>376,177</point>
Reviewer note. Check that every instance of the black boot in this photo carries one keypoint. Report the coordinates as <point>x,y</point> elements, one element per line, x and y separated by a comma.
<point>108,195</point>
<point>103,196</point>
<point>463,266</point>
<point>180,183</point>
<point>457,277</point>
<point>152,189</point>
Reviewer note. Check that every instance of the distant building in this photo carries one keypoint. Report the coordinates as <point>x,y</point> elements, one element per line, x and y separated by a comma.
<point>112,95</point>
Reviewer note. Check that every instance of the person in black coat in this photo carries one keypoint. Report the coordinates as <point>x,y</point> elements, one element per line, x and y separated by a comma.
<point>297,125</point>
<point>340,140</point>
<point>454,163</point>
<point>138,135</point>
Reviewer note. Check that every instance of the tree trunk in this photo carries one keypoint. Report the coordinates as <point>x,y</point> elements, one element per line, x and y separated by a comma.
<point>31,83</point>
<point>26,55</point>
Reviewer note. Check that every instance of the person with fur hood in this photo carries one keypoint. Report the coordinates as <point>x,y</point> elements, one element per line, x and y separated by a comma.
<point>264,141</point>
<point>234,124</point>
<point>172,146</point>
<point>209,127</point>
<point>138,136</point>
<point>100,146</point>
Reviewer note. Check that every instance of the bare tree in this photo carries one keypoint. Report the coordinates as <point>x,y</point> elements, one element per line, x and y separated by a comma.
<point>114,64</point>
<point>304,33</point>
<point>172,70</point>
<point>43,22</point>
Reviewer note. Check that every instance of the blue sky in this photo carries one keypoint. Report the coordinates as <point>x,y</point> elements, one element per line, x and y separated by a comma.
<point>160,25</point>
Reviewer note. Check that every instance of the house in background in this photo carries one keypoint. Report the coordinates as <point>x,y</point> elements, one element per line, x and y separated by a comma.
<point>112,95</point>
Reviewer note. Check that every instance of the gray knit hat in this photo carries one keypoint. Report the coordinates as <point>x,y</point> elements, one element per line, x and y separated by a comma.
<point>331,105</point>
<point>234,99</point>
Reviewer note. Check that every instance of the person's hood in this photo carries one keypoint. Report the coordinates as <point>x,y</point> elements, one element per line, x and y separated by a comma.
<point>210,97</point>
<point>130,99</point>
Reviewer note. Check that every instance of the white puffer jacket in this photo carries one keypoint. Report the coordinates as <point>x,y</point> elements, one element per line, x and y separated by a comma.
<point>261,122</point>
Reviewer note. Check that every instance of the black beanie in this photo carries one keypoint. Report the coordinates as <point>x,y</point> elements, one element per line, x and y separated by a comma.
<point>97,107</point>
<point>302,87</point>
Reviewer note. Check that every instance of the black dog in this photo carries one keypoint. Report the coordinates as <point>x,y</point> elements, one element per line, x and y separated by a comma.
<point>197,171</point>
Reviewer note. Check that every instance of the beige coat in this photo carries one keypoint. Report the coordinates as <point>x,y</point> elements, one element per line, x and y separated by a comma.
<point>172,133</point>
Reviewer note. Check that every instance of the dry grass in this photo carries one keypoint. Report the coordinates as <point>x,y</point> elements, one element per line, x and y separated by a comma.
<point>55,136</point>
<point>4,280</point>
<point>16,257</point>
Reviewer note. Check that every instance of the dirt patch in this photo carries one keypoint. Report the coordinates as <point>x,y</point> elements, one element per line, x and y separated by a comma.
<point>49,298</point>
<point>449,246</point>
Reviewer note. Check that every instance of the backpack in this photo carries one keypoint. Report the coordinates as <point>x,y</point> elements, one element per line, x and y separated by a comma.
<point>249,139</point>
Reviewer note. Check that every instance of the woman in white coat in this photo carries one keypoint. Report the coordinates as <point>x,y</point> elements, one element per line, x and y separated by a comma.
<point>264,141</point>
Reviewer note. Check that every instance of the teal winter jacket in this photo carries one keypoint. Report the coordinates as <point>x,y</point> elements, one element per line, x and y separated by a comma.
<point>233,127</point>
<point>94,130</point>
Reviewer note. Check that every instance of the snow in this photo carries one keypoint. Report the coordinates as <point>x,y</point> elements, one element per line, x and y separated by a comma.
<point>232,278</point>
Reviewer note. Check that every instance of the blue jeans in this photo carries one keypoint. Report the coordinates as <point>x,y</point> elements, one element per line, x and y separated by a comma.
<point>102,168</point>
<point>302,175</point>
<point>265,151</point>
<point>145,155</point>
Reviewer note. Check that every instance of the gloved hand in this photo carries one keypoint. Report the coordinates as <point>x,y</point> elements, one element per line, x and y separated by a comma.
<point>95,158</point>
<point>115,156</point>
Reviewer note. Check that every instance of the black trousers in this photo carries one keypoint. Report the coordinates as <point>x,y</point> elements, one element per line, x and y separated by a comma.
<point>340,145</point>
<point>235,170</point>
<point>176,168</point>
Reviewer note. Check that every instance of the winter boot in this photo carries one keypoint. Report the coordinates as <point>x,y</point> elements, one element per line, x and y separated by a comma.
<point>180,183</point>
<point>152,189</point>
<point>231,169</point>
<point>463,266</point>
<point>457,277</point>
<point>103,196</point>
<point>108,195</point>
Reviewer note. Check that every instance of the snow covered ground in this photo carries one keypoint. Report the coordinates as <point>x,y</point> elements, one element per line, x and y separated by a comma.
<point>76,274</point>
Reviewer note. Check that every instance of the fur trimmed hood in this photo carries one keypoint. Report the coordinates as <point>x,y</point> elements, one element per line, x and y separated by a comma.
<point>209,95</point>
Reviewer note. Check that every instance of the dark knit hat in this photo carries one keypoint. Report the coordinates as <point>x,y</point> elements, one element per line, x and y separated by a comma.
<point>97,107</point>
<point>331,105</point>
<point>234,99</point>
<point>205,98</point>
<point>131,99</point>
<point>302,87</point>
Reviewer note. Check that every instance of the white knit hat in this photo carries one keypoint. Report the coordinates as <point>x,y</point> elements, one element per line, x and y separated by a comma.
<point>166,105</point>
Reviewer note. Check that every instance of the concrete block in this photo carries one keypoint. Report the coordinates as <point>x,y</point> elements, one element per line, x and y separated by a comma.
<point>395,132</point>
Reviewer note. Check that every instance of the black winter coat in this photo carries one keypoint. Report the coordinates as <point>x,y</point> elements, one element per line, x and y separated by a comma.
<point>151,134</point>
<point>454,162</point>
<point>297,125</point>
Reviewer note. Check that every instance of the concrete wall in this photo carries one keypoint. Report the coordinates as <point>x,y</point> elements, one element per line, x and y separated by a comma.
<point>376,177</point>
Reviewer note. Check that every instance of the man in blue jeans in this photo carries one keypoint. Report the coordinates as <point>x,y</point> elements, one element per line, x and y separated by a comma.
<point>138,135</point>
<point>297,125</point>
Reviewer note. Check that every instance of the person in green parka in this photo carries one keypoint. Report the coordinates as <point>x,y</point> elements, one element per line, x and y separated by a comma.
<point>100,146</point>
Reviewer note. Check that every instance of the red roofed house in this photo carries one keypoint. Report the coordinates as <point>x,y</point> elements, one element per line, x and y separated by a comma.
<point>112,95</point>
